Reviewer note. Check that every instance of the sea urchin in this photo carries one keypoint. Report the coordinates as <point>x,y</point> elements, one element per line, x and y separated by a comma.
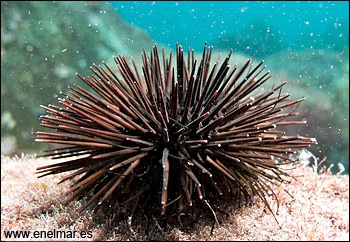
<point>171,137</point>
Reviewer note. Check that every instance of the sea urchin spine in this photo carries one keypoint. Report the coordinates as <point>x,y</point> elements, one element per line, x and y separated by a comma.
<point>171,137</point>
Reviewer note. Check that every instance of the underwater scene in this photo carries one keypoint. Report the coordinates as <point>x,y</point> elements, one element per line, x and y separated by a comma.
<point>44,45</point>
<point>175,120</point>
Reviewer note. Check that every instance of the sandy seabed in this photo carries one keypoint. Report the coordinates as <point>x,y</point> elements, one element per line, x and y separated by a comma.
<point>317,210</point>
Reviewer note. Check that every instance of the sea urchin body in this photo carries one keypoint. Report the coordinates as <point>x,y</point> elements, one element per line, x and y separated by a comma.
<point>171,137</point>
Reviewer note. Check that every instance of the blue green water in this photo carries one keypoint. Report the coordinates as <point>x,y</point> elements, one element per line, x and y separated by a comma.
<point>294,24</point>
<point>306,43</point>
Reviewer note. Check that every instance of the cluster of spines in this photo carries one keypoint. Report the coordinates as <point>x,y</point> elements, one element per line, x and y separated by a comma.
<point>212,130</point>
